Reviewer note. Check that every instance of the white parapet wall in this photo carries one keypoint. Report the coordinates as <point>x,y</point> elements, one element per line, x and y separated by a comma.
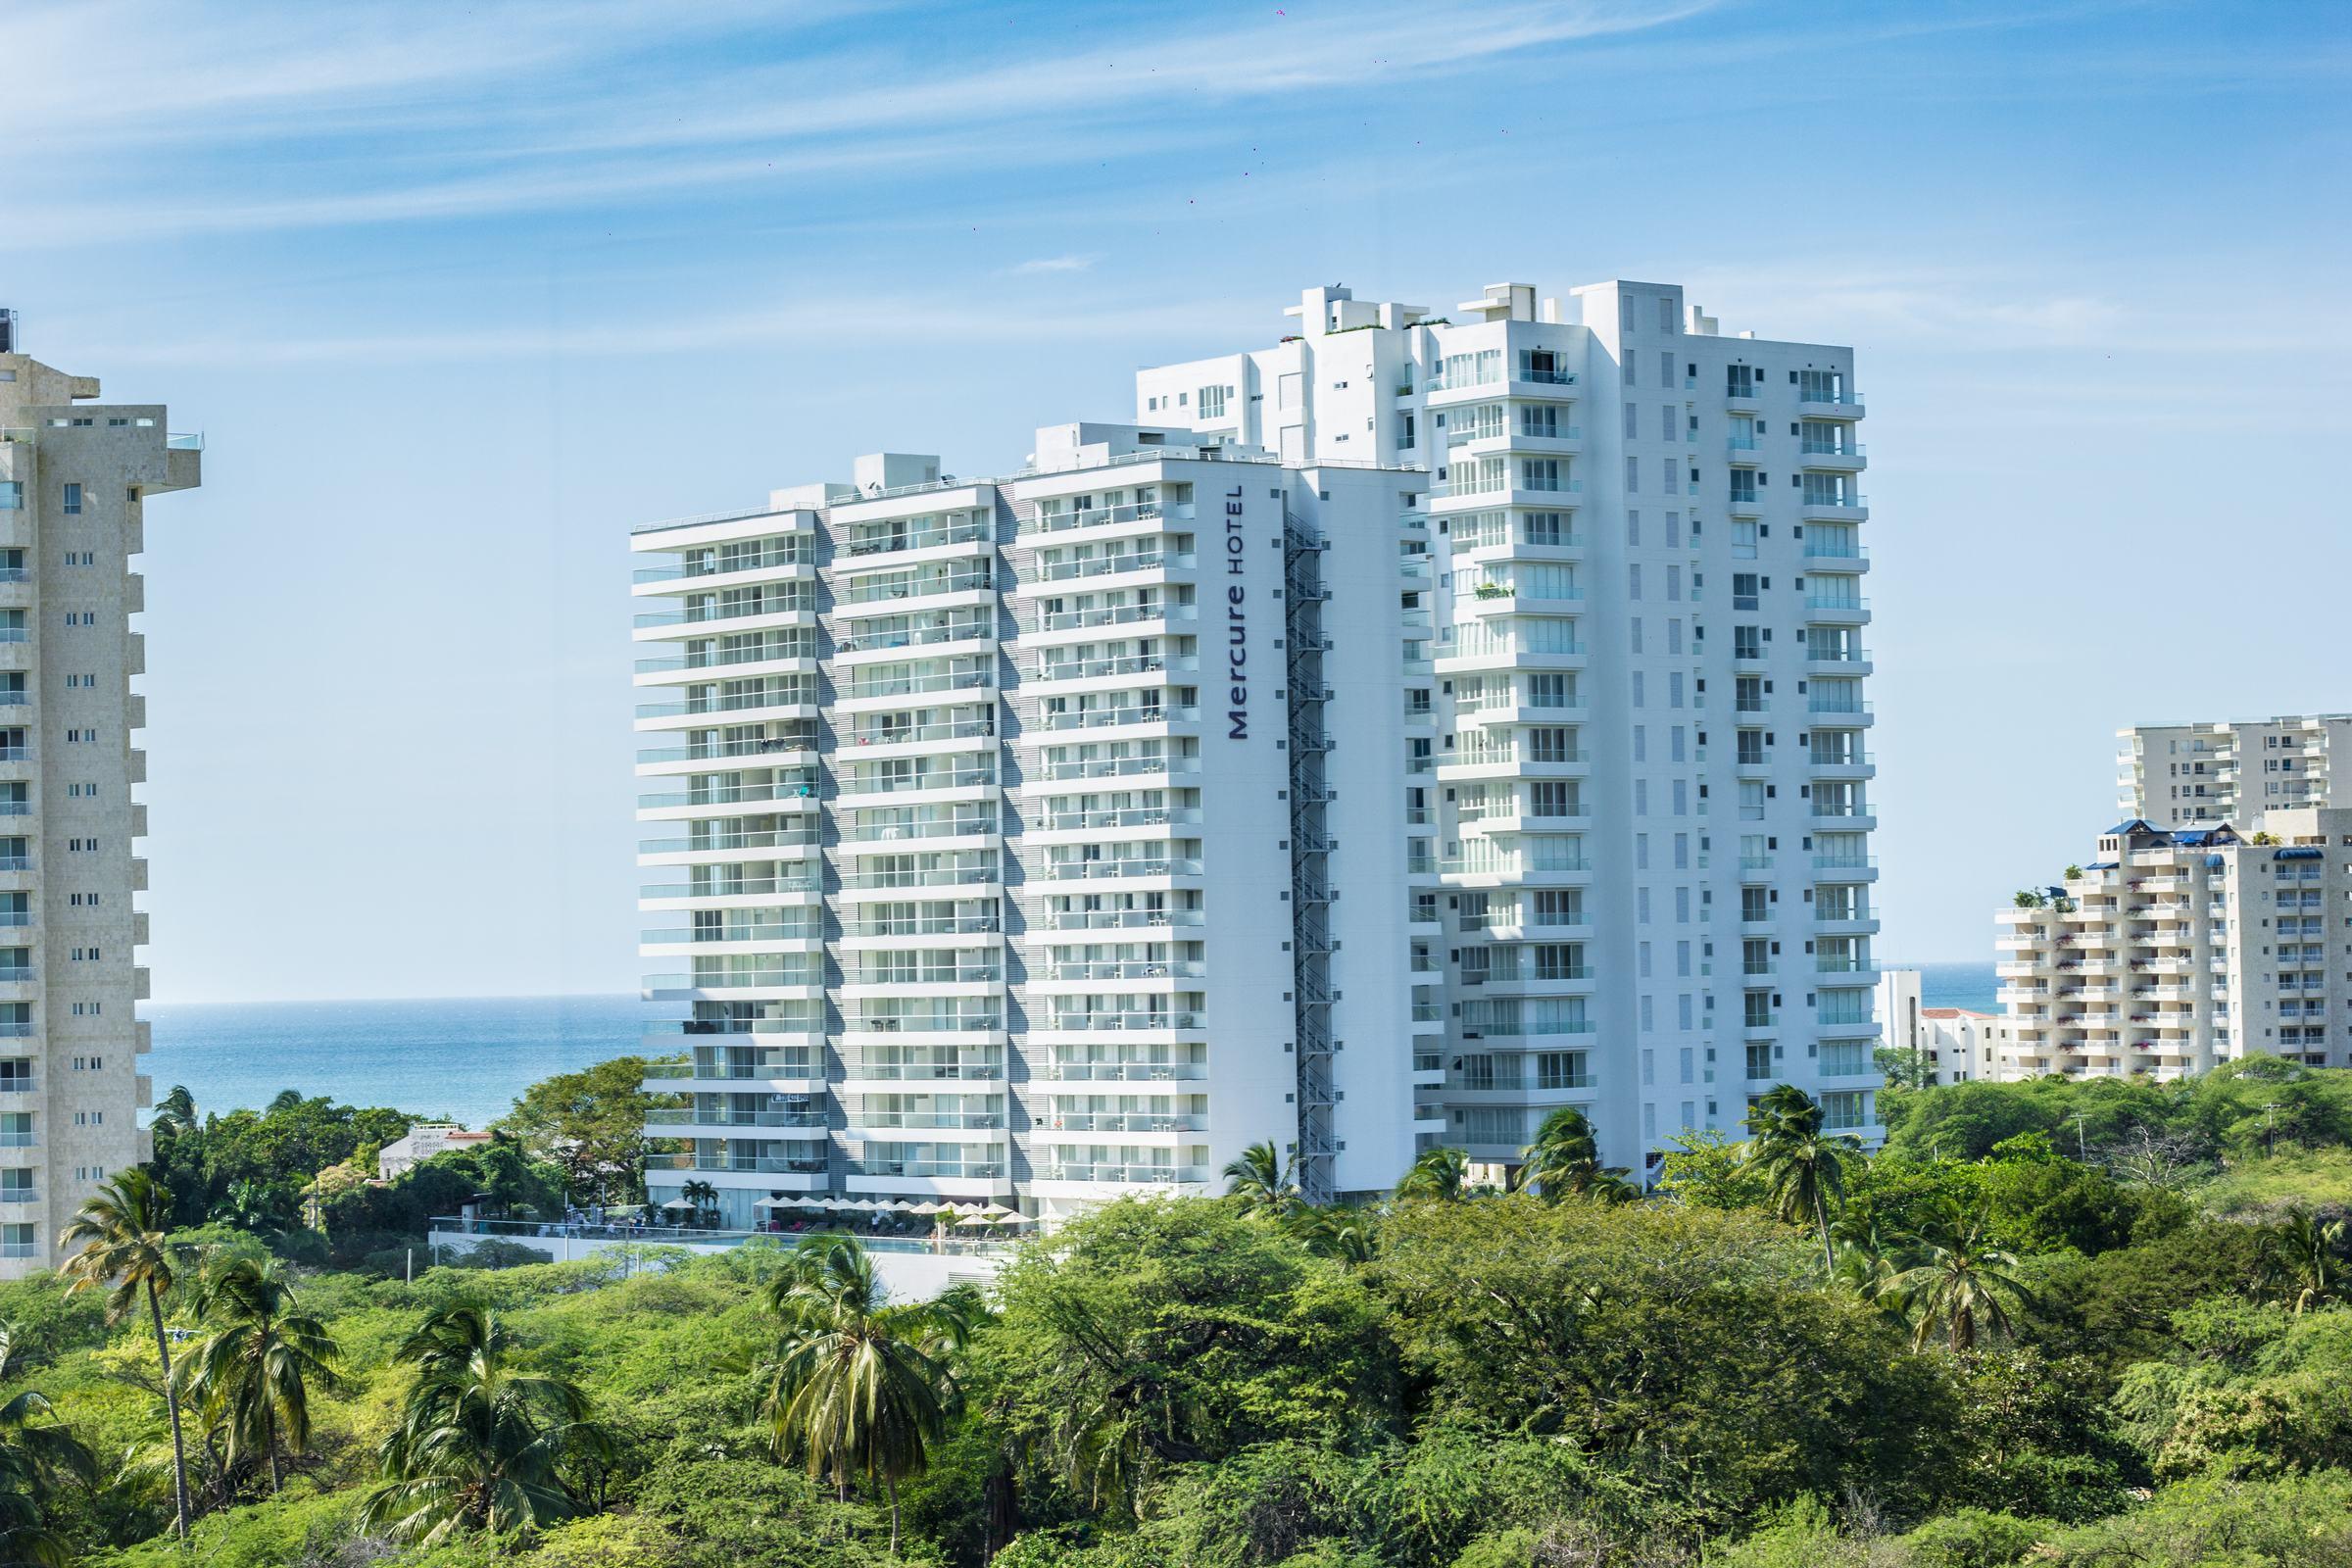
<point>911,1275</point>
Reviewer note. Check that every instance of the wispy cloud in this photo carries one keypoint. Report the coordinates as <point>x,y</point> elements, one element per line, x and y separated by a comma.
<point>290,118</point>
<point>1053,264</point>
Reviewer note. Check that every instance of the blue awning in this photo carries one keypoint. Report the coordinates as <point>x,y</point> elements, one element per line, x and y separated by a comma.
<point>2300,852</point>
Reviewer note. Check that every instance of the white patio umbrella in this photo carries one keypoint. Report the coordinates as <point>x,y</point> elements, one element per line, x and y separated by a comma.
<point>681,1203</point>
<point>926,1206</point>
<point>998,1211</point>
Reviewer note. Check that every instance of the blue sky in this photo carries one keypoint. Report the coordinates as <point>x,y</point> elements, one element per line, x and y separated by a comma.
<point>459,294</point>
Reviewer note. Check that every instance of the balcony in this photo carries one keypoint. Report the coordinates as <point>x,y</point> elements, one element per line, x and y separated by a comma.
<point>797,553</point>
<point>1122,969</point>
<point>733,1118</point>
<point>1112,615</point>
<point>1077,1121</point>
<point>1105,517</point>
<point>1147,1069</point>
<point>1118,1022</point>
<point>887,592</point>
<point>899,541</point>
<point>1092,870</point>
<point>1122,1175</point>
<point>1113,565</point>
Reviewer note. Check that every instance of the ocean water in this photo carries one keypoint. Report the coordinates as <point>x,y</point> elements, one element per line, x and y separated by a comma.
<point>467,1059</point>
<point>1956,985</point>
<point>461,1058</point>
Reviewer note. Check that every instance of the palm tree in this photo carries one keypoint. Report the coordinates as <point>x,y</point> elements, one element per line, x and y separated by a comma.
<point>1803,1166</point>
<point>1564,1160</point>
<point>480,1444</point>
<point>252,1207</point>
<point>284,1099</point>
<point>121,1232</point>
<point>34,1451</point>
<point>1340,1232</point>
<point>2307,1255</point>
<point>1960,1286</point>
<point>1442,1174</point>
<point>1261,1183</point>
<point>260,1362</point>
<point>858,1385</point>
<point>177,1110</point>
<point>700,1194</point>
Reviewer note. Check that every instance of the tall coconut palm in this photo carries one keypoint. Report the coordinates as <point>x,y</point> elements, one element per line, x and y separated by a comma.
<point>1260,1181</point>
<point>119,1233</point>
<point>1963,1285</point>
<point>2307,1255</point>
<point>860,1386</point>
<point>1564,1160</point>
<point>1803,1166</point>
<point>700,1194</point>
<point>481,1444</point>
<point>1442,1174</point>
<point>260,1362</point>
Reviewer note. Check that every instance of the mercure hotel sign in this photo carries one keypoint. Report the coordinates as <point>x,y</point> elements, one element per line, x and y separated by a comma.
<point>1237,620</point>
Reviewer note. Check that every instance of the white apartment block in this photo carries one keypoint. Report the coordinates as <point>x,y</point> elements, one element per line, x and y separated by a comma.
<point>74,477</point>
<point>2179,948</point>
<point>1955,1044</point>
<point>1328,759</point>
<point>2232,771</point>
<point>1639,768</point>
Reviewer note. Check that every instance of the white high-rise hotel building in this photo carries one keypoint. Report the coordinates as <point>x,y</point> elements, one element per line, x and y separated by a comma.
<point>1398,732</point>
<point>74,480</point>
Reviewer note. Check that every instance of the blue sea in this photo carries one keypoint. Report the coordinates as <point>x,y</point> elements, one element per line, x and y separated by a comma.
<point>1956,985</point>
<point>463,1059</point>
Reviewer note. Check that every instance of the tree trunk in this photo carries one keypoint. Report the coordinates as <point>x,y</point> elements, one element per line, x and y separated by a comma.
<point>892,1483</point>
<point>179,1446</point>
<point>269,1445</point>
<point>1821,1214</point>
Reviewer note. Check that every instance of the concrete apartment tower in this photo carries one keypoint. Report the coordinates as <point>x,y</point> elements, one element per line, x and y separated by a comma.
<point>2232,770</point>
<point>1637,772</point>
<point>1395,734</point>
<point>75,478</point>
<point>2174,950</point>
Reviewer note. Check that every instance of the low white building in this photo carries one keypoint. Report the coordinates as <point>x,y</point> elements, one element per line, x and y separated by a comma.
<point>422,1143</point>
<point>1957,1045</point>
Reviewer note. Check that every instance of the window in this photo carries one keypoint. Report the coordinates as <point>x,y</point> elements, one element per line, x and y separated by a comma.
<point>1747,642</point>
<point>1666,323</point>
<point>1213,402</point>
<point>1744,590</point>
<point>72,501</point>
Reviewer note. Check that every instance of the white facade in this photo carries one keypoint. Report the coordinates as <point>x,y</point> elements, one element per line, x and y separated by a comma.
<point>1955,1044</point>
<point>1636,772</point>
<point>422,1143</point>
<point>2232,771</point>
<point>74,477</point>
<point>2177,950</point>
<point>1004,864</point>
<point>1019,858</point>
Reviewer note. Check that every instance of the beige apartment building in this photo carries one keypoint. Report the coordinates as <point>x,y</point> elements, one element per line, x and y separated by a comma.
<point>2229,770</point>
<point>75,478</point>
<point>2175,949</point>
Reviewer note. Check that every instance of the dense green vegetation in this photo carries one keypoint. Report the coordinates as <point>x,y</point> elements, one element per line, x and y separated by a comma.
<point>2082,1325</point>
